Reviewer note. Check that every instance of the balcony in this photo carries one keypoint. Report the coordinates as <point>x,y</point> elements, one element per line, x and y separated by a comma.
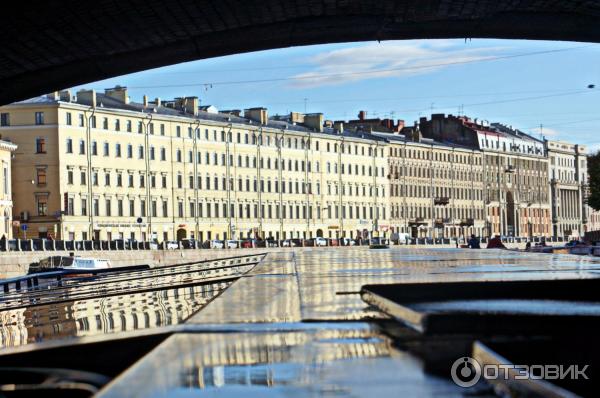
<point>510,169</point>
<point>441,201</point>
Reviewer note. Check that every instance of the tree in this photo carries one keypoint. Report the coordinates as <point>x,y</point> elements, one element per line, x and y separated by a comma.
<point>594,180</point>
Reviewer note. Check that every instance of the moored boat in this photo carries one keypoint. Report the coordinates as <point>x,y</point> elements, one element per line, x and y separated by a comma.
<point>69,263</point>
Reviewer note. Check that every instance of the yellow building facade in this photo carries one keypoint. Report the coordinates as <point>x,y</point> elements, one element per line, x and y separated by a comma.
<point>98,166</point>
<point>6,204</point>
<point>437,190</point>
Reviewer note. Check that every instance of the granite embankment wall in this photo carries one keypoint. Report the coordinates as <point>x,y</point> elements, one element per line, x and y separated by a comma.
<point>17,263</point>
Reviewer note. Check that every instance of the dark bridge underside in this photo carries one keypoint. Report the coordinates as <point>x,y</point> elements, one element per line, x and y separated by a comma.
<point>47,45</point>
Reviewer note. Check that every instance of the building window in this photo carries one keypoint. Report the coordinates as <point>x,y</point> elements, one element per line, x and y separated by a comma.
<point>84,207</point>
<point>129,151</point>
<point>105,123</point>
<point>41,177</point>
<point>120,207</point>
<point>4,119</point>
<point>164,181</point>
<point>81,120</point>
<point>40,145</point>
<point>119,179</point>
<point>106,150</point>
<point>132,207</point>
<point>107,179</point>
<point>42,205</point>
<point>108,208</point>
<point>81,147</point>
<point>118,150</point>
<point>39,118</point>
<point>96,205</point>
<point>165,208</point>
<point>130,180</point>
<point>163,154</point>
<point>117,125</point>
<point>70,207</point>
<point>152,151</point>
<point>83,178</point>
<point>140,152</point>
<point>142,181</point>
<point>95,178</point>
<point>128,125</point>
<point>70,177</point>
<point>94,148</point>
<point>69,145</point>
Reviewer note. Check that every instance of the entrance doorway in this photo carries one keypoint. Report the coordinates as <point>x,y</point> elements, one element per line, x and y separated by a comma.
<point>319,233</point>
<point>181,234</point>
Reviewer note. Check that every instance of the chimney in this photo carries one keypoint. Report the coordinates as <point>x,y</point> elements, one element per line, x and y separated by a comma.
<point>66,96</point>
<point>190,105</point>
<point>339,127</point>
<point>296,117</point>
<point>87,96</point>
<point>145,101</point>
<point>314,121</point>
<point>259,115</point>
<point>400,125</point>
<point>157,101</point>
<point>117,92</point>
<point>362,115</point>
<point>416,134</point>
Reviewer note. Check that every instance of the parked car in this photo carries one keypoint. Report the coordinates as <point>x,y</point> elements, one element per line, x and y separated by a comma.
<point>247,244</point>
<point>217,244</point>
<point>153,245</point>
<point>189,243</point>
<point>320,242</point>
<point>232,244</point>
<point>271,242</point>
<point>170,245</point>
<point>308,242</point>
<point>348,242</point>
<point>334,242</point>
<point>288,243</point>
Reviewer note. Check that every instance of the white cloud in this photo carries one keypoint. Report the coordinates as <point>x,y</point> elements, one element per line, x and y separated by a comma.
<point>551,133</point>
<point>387,59</point>
<point>592,147</point>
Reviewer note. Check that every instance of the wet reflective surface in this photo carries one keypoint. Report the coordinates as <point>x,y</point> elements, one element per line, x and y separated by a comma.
<point>296,326</point>
<point>354,361</point>
<point>114,303</point>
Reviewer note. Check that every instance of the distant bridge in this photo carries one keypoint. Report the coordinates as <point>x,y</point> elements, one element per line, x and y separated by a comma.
<point>47,45</point>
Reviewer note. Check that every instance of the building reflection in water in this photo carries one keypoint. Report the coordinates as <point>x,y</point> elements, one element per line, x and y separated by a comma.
<point>103,315</point>
<point>321,361</point>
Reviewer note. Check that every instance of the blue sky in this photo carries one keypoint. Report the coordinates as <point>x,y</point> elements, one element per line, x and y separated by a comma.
<point>520,83</point>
